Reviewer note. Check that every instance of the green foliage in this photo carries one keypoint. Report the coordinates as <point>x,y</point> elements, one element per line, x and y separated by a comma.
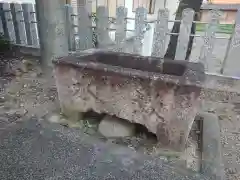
<point>5,44</point>
<point>222,28</point>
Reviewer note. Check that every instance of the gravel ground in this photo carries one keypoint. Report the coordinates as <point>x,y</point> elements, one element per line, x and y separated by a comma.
<point>31,94</point>
<point>229,117</point>
<point>26,94</point>
<point>36,149</point>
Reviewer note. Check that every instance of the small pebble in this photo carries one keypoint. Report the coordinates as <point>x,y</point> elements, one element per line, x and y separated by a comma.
<point>25,111</point>
<point>34,75</point>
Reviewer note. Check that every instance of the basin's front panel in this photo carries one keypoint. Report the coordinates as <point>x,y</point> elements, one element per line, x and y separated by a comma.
<point>166,109</point>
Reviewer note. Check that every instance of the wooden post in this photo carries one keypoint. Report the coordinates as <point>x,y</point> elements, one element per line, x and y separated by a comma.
<point>52,33</point>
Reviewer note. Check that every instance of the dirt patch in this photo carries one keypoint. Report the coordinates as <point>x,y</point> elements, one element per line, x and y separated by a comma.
<point>26,92</point>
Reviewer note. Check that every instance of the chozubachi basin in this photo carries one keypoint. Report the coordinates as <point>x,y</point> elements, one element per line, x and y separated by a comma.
<point>163,96</point>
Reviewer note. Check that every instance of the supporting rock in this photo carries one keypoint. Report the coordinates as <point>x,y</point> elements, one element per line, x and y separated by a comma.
<point>52,34</point>
<point>114,127</point>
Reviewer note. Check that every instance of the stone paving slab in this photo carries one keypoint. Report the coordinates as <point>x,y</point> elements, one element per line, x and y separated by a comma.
<point>39,150</point>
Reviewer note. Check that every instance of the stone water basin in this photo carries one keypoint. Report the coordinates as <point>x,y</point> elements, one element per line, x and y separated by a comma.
<point>163,97</point>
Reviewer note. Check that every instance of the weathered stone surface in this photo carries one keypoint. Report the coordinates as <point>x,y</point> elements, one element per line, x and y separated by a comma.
<point>134,88</point>
<point>114,127</point>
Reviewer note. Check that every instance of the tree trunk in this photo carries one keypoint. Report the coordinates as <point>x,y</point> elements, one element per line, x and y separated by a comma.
<point>183,4</point>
